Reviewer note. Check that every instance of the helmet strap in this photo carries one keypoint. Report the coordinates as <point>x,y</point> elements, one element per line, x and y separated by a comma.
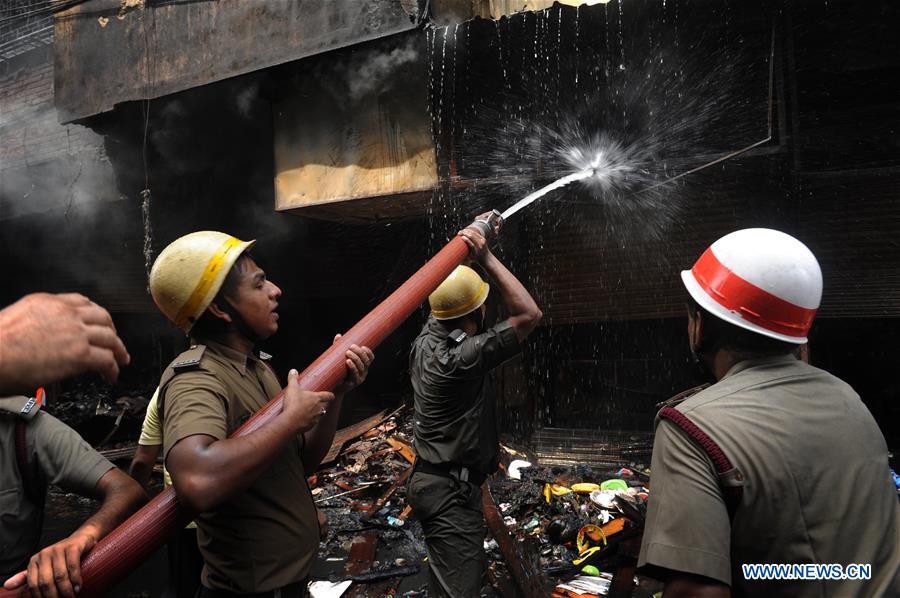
<point>238,320</point>
<point>480,326</point>
<point>698,349</point>
<point>700,368</point>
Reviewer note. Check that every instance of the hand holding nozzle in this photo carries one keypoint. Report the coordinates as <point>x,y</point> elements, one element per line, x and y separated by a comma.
<point>488,224</point>
<point>476,234</point>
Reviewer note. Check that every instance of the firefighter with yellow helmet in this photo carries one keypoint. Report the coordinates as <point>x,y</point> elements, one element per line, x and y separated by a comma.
<point>777,462</point>
<point>258,529</point>
<point>455,429</point>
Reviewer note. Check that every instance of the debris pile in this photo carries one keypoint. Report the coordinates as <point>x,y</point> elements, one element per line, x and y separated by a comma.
<point>560,530</point>
<point>579,527</point>
<point>96,413</point>
<point>565,530</point>
<point>360,489</point>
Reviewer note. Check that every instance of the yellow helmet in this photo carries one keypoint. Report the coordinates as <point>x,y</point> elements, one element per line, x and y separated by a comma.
<point>189,273</point>
<point>461,293</point>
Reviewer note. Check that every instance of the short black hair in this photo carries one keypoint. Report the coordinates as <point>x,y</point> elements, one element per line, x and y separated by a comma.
<point>233,278</point>
<point>719,334</point>
<point>209,324</point>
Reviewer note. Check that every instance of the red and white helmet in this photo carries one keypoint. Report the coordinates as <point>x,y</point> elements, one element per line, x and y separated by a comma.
<point>759,279</point>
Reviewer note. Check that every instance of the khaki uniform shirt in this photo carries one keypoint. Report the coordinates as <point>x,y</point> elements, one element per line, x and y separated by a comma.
<point>264,537</point>
<point>817,485</point>
<point>455,419</point>
<point>60,456</point>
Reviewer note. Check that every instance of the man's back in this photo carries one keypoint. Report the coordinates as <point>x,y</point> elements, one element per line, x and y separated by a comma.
<point>816,483</point>
<point>455,407</point>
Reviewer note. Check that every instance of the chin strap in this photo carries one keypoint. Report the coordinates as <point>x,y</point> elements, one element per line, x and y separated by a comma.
<point>700,366</point>
<point>238,321</point>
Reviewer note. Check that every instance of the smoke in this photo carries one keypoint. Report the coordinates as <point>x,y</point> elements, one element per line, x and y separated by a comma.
<point>76,177</point>
<point>359,74</point>
<point>172,120</point>
<point>245,98</point>
<point>166,136</point>
<point>368,76</point>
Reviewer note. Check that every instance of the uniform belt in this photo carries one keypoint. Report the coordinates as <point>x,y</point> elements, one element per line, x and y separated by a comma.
<point>294,590</point>
<point>451,470</point>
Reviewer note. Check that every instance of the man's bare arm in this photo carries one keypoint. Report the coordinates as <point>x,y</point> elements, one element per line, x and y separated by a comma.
<point>142,463</point>
<point>524,314</point>
<point>207,471</point>
<point>56,570</point>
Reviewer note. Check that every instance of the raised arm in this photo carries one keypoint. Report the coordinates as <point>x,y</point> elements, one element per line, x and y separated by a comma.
<point>524,314</point>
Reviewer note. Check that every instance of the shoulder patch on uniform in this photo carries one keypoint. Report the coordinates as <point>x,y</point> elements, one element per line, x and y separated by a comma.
<point>457,336</point>
<point>682,396</point>
<point>20,406</point>
<point>190,358</point>
<point>28,409</point>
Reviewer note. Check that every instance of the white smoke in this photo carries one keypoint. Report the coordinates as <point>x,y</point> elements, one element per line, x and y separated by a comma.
<point>245,98</point>
<point>371,73</point>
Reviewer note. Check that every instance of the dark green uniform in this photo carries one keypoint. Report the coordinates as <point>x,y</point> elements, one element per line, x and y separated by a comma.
<point>817,487</point>
<point>265,537</point>
<point>58,455</point>
<point>456,443</point>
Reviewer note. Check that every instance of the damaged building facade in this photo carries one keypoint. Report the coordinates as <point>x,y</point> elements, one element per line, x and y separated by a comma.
<point>353,138</point>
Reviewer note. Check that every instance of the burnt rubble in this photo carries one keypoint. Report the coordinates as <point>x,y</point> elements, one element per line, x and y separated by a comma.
<point>563,523</point>
<point>561,530</point>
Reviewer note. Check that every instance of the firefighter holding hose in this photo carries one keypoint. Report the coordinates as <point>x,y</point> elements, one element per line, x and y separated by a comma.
<point>258,528</point>
<point>778,462</point>
<point>455,429</point>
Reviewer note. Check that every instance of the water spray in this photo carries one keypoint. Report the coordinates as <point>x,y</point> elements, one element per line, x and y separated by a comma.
<point>532,197</point>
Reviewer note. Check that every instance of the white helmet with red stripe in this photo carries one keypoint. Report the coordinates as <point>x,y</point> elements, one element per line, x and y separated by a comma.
<point>759,279</point>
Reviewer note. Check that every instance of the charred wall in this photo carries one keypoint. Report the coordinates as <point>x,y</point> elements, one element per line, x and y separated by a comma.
<point>678,85</point>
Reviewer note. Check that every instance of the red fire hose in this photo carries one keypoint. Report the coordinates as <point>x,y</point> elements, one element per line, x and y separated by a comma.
<point>141,534</point>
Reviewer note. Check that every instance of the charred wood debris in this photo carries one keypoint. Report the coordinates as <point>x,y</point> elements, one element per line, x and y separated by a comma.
<point>552,530</point>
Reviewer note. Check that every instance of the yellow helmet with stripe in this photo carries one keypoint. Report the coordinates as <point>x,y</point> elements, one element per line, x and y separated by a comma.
<point>189,273</point>
<point>461,293</point>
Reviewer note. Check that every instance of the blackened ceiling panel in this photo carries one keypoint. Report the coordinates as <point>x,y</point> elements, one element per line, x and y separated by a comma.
<point>112,51</point>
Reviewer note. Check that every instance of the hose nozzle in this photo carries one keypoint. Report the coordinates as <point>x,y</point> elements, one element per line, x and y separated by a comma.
<point>486,226</point>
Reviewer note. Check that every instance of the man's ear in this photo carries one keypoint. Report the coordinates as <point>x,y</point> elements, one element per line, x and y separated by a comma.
<point>219,312</point>
<point>695,329</point>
